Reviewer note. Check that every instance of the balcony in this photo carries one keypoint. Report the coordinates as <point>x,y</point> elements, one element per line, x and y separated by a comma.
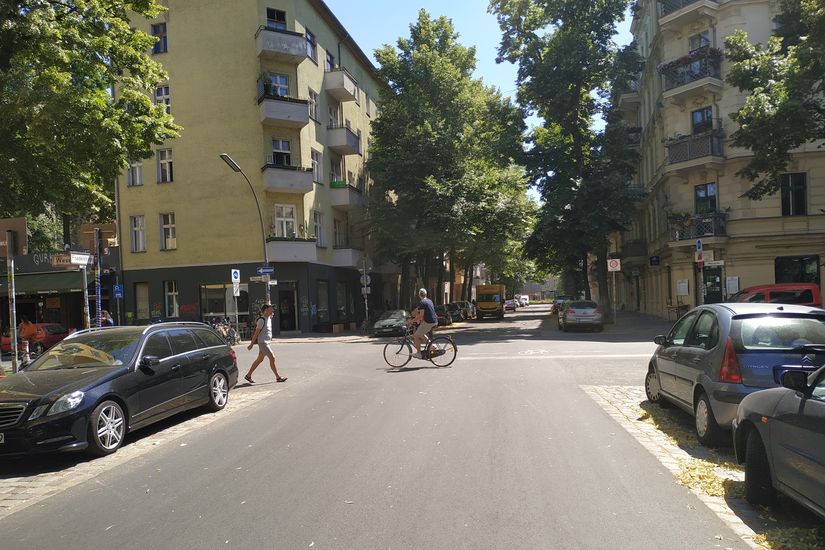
<point>711,228</point>
<point>279,178</point>
<point>343,141</point>
<point>341,85</point>
<point>281,249</point>
<point>629,100</point>
<point>281,45</point>
<point>344,196</point>
<point>675,14</point>
<point>283,111</point>
<point>347,256</point>
<point>698,150</point>
<point>694,76</point>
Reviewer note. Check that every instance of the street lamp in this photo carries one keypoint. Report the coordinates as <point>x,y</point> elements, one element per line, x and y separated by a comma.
<point>234,165</point>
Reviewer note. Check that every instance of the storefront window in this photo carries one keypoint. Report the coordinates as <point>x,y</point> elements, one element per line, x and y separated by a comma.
<point>323,302</point>
<point>341,300</point>
<point>797,269</point>
<point>218,302</point>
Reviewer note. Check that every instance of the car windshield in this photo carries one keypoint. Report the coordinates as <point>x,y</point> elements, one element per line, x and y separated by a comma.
<point>452,307</point>
<point>107,348</point>
<point>582,305</point>
<point>773,332</point>
<point>392,314</point>
<point>489,298</point>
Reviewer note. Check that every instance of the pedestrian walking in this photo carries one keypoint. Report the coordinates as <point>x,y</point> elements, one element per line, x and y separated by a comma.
<point>106,319</point>
<point>261,336</point>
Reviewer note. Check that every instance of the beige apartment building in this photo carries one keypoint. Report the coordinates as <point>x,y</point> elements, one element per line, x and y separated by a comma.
<point>282,88</point>
<point>689,195</point>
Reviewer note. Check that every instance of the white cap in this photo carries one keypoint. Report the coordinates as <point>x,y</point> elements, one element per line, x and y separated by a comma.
<point>422,291</point>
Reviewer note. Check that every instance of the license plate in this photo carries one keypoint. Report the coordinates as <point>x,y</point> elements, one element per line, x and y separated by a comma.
<point>2,438</point>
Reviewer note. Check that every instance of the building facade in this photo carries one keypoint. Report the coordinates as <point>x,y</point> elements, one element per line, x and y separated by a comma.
<point>690,199</point>
<point>282,88</point>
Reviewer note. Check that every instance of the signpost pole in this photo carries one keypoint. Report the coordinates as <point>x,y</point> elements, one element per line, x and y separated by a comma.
<point>614,296</point>
<point>10,250</point>
<point>98,292</point>
<point>366,300</point>
<point>86,322</point>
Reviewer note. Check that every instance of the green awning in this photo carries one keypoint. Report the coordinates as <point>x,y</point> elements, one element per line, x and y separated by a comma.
<point>44,283</point>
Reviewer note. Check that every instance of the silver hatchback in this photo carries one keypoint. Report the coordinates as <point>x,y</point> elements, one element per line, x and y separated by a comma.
<point>580,314</point>
<point>717,354</point>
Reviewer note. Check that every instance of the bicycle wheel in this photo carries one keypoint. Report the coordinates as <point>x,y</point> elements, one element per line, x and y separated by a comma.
<point>397,354</point>
<point>442,351</point>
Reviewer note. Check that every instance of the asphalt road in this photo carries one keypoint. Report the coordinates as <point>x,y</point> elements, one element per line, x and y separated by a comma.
<point>502,450</point>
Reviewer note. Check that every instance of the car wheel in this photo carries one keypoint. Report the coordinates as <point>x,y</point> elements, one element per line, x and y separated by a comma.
<point>218,392</point>
<point>758,487</point>
<point>107,428</point>
<point>707,430</point>
<point>653,390</point>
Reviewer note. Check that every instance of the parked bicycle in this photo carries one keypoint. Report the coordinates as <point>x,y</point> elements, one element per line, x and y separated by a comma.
<point>441,351</point>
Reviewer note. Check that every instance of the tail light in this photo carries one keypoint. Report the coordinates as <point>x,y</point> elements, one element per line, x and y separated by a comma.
<point>570,312</point>
<point>233,356</point>
<point>599,312</point>
<point>730,371</point>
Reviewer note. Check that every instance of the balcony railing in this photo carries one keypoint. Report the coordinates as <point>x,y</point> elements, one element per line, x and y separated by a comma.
<point>696,146</point>
<point>281,44</point>
<point>666,7</point>
<point>270,161</point>
<point>691,72</point>
<point>690,227</point>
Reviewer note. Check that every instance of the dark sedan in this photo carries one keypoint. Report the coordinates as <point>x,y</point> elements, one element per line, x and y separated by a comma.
<point>456,311</point>
<point>391,323</point>
<point>91,389</point>
<point>780,436</point>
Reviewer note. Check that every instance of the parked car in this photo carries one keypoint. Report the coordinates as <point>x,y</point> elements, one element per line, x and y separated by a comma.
<point>444,316</point>
<point>467,309</point>
<point>91,389</point>
<point>779,434</point>
<point>717,354</point>
<point>804,294</point>
<point>524,300</point>
<point>456,311</point>
<point>558,301</point>
<point>48,334</point>
<point>509,305</point>
<point>580,314</point>
<point>391,322</point>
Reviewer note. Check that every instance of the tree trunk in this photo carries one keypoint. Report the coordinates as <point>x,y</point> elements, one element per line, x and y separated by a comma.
<point>404,297</point>
<point>440,285</point>
<point>452,274</point>
<point>585,276</point>
<point>604,285</point>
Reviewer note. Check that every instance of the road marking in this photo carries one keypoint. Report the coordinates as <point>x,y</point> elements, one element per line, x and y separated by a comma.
<point>545,357</point>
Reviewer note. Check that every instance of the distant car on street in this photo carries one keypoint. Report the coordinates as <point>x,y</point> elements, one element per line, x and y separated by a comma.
<point>524,300</point>
<point>717,354</point>
<point>95,386</point>
<point>391,322</point>
<point>580,314</point>
<point>779,434</point>
<point>48,334</point>
<point>444,316</point>
<point>456,311</point>
<point>509,305</point>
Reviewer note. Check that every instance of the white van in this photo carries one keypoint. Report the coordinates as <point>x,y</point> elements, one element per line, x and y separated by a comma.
<point>524,300</point>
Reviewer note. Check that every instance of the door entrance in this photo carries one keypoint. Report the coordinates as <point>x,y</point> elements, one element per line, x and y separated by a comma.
<point>288,306</point>
<point>712,277</point>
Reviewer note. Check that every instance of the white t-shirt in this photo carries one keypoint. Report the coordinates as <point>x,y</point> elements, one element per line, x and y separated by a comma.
<point>264,326</point>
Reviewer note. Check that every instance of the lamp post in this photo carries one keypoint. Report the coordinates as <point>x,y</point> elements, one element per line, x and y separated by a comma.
<point>234,165</point>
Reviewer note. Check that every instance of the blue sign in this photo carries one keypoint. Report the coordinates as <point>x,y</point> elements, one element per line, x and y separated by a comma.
<point>265,270</point>
<point>118,291</point>
<point>698,245</point>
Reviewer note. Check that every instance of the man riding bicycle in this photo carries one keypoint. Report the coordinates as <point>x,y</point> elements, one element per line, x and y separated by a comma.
<point>426,319</point>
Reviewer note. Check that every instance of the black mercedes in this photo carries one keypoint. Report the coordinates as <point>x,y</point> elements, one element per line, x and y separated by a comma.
<point>91,389</point>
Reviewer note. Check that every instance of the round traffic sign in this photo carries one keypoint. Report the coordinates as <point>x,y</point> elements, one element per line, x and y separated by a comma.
<point>365,279</point>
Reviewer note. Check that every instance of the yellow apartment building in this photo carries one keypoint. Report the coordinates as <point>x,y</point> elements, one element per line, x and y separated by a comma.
<point>282,88</point>
<point>689,195</point>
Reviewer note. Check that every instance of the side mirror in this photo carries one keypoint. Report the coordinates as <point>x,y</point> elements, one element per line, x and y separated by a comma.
<point>795,380</point>
<point>149,361</point>
<point>660,340</point>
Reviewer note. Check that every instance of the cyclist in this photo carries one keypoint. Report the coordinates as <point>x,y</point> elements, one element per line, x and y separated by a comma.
<point>426,319</point>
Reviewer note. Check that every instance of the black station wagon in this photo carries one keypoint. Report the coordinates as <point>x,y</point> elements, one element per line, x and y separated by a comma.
<point>91,389</point>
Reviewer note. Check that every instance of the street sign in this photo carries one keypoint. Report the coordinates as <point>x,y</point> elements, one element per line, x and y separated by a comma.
<point>635,273</point>
<point>236,289</point>
<point>715,263</point>
<point>706,255</point>
<point>655,261</point>
<point>366,290</point>
<point>236,275</point>
<point>365,279</point>
<point>80,258</point>
<point>265,270</point>
<point>61,260</point>
<point>259,279</point>
<point>614,264</point>
<point>117,290</point>
<point>698,245</point>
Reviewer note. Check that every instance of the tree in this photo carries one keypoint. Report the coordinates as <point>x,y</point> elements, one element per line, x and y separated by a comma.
<point>786,105</point>
<point>567,62</point>
<point>64,137</point>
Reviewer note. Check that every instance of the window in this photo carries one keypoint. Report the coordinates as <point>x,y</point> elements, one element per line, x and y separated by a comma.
<point>312,103</point>
<point>796,269</point>
<point>312,46</point>
<point>818,391</point>
<point>330,63</point>
<point>317,166</point>
<point>275,19</point>
<point>357,95</point>
<point>183,341</point>
<point>680,331</point>
<point>318,220</point>
<point>335,168</point>
<point>698,41</point>
<point>134,176</point>
<point>367,102</point>
<point>323,301</point>
<point>137,227</point>
<point>281,152</point>
<point>162,97</point>
<point>278,85</point>
<point>333,111</point>
<point>162,45</point>
<point>350,178</point>
<point>794,194</point>
<point>170,294</point>
<point>340,233</point>
<point>284,221</point>
<point>702,120</point>
<point>165,173</point>
<point>341,301</point>
<point>359,141</point>
<point>705,333</point>
<point>209,338</point>
<point>705,198</point>
<point>168,239</point>
<point>157,345</point>
<point>142,301</point>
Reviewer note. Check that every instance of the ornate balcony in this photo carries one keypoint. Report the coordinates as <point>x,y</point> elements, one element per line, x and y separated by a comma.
<point>684,230</point>
<point>695,74</point>
<point>675,14</point>
<point>279,178</point>
<point>341,85</point>
<point>698,150</point>
<point>343,141</point>
<point>281,45</point>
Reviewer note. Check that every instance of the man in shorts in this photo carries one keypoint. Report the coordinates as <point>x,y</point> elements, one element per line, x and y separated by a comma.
<point>426,319</point>
<point>261,336</point>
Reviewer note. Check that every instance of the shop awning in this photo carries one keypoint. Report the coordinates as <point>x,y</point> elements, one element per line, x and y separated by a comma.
<point>44,283</point>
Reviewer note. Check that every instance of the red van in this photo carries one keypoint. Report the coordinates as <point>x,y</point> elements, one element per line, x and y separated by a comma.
<point>803,294</point>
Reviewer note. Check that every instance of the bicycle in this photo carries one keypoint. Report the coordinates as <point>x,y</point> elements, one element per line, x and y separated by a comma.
<point>441,351</point>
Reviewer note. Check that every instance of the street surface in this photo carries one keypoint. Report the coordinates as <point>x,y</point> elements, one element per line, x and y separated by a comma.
<point>514,446</point>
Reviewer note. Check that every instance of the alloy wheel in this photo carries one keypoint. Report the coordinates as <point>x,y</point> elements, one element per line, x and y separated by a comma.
<point>110,427</point>
<point>219,389</point>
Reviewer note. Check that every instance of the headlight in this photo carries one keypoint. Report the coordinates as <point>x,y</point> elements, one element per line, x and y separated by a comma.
<point>38,412</point>
<point>66,403</point>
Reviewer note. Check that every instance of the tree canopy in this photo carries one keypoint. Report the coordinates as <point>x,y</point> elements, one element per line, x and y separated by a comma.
<point>75,87</point>
<point>786,105</point>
